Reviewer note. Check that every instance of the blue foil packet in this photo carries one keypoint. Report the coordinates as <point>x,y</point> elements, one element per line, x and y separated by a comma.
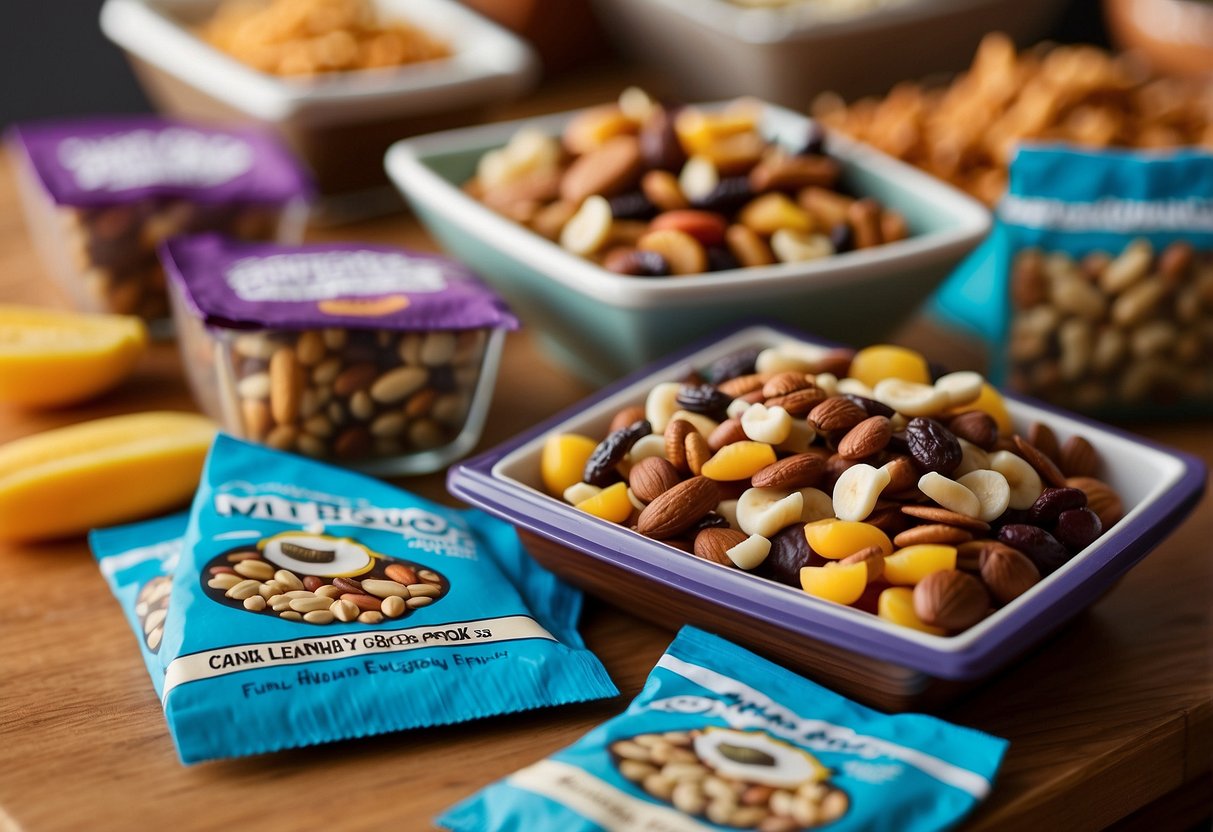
<point>722,739</point>
<point>254,657</point>
<point>1092,291</point>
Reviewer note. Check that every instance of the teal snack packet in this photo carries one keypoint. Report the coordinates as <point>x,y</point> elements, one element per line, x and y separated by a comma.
<point>250,668</point>
<point>1094,290</point>
<point>722,739</point>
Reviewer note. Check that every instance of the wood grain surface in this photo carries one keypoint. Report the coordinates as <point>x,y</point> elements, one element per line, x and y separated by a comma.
<point>1108,716</point>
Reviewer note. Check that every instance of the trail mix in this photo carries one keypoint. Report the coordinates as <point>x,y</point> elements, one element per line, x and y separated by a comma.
<point>652,190</point>
<point>859,477</point>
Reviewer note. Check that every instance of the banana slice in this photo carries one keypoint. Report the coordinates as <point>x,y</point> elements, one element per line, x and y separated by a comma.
<point>636,502</point>
<point>750,553</point>
<point>960,388</point>
<point>579,492</point>
<point>588,230</point>
<point>647,446</point>
<point>972,458</point>
<point>764,511</point>
<point>736,408</point>
<point>728,510</point>
<point>698,178</point>
<point>818,505</point>
<point>854,387</point>
<point>766,424</point>
<point>826,383</point>
<point>992,490</point>
<point>791,357</point>
<point>799,438</point>
<point>950,494</point>
<point>909,397</point>
<point>661,405</point>
<point>857,490</point>
<point>1022,478</point>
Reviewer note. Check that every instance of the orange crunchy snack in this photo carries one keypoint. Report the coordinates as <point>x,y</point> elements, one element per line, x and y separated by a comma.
<point>966,133</point>
<point>312,37</point>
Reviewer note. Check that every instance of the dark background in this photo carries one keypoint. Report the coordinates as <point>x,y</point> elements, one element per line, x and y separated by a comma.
<point>54,60</point>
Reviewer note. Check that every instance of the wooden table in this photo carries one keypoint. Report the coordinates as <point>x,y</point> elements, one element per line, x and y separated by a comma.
<point>1109,716</point>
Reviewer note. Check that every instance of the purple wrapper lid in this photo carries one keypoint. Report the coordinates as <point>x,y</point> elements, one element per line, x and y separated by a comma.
<point>353,285</point>
<point>106,161</point>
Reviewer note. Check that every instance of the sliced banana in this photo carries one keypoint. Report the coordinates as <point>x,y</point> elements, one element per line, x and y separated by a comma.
<point>992,490</point>
<point>728,510</point>
<point>579,492</point>
<point>857,490</point>
<point>826,383</point>
<point>636,502</point>
<point>764,511</point>
<point>704,425</point>
<point>1022,478</point>
<point>853,387</point>
<point>766,424</point>
<point>698,178</point>
<point>588,230</point>
<point>910,398</point>
<point>661,405</point>
<point>791,357</point>
<point>950,494</point>
<point>799,438</point>
<point>749,553</point>
<point>960,388</point>
<point>647,446</point>
<point>636,104</point>
<point>736,408</point>
<point>972,458</point>
<point>818,505</point>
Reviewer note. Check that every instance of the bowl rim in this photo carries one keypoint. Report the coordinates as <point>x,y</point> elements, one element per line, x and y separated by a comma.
<point>487,63</point>
<point>966,656</point>
<point>407,166</point>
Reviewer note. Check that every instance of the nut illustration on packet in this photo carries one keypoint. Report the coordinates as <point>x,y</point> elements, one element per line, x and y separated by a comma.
<point>467,625</point>
<point>722,739</point>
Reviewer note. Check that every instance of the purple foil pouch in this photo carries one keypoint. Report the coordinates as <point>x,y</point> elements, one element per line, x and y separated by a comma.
<point>352,285</point>
<point>363,355</point>
<point>108,161</point>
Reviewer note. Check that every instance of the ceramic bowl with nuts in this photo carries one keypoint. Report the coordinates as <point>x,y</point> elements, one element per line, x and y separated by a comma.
<point>101,194</point>
<point>892,530</point>
<point>628,229</point>
<point>368,356</point>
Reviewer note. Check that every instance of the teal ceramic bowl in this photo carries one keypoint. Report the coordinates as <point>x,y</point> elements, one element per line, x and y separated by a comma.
<point>603,325</point>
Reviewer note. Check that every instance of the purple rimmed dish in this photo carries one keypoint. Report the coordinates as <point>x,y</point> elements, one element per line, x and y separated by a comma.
<point>864,656</point>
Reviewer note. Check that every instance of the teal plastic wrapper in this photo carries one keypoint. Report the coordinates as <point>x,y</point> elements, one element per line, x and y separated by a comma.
<point>495,635</point>
<point>722,739</point>
<point>1095,289</point>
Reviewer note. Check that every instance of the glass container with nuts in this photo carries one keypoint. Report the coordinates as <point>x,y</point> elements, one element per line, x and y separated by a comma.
<point>371,356</point>
<point>102,194</point>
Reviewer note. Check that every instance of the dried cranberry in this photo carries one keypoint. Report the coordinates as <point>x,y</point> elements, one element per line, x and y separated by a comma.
<point>1078,528</point>
<point>1044,550</point>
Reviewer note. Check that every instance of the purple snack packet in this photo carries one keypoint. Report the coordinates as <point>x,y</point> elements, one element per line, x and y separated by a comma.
<point>96,162</point>
<point>353,285</point>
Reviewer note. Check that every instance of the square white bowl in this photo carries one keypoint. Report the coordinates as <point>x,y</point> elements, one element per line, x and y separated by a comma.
<point>604,324</point>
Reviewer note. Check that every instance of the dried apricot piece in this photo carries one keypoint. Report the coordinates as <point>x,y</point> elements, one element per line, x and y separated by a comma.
<point>611,503</point>
<point>563,461</point>
<point>873,364</point>
<point>837,539</point>
<point>896,604</point>
<point>837,582</point>
<point>908,566</point>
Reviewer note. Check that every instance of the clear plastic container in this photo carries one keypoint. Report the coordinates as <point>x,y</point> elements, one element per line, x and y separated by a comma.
<point>101,195</point>
<point>381,382</point>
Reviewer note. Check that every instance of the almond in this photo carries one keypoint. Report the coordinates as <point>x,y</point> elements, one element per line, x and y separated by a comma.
<point>798,402</point>
<point>714,544</point>
<point>1043,439</point>
<point>939,514</point>
<point>1006,572</point>
<point>726,433</point>
<point>867,438</point>
<point>799,471</point>
<point>286,386</point>
<point>1047,468</point>
<point>697,451</point>
<point>1101,499</point>
<point>1079,458</point>
<point>626,417</point>
<point>781,384</point>
<point>676,510</point>
<point>740,385</point>
<point>837,413</point>
<point>932,533</point>
<point>975,426</point>
<point>873,556</point>
<point>903,475</point>
<point>676,433</point>
<point>652,477</point>
<point>609,169</point>
<point>950,599</point>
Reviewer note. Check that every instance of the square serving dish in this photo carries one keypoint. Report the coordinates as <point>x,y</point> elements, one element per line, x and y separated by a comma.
<point>341,123</point>
<point>604,324</point>
<point>789,54</point>
<point>889,666</point>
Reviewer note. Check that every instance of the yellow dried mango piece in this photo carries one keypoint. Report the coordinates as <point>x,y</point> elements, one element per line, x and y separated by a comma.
<point>66,481</point>
<point>697,130</point>
<point>837,582</point>
<point>896,604</point>
<point>908,566</point>
<point>738,461</point>
<point>562,462</point>
<point>50,358</point>
<point>611,503</point>
<point>837,539</point>
<point>873,364</point>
